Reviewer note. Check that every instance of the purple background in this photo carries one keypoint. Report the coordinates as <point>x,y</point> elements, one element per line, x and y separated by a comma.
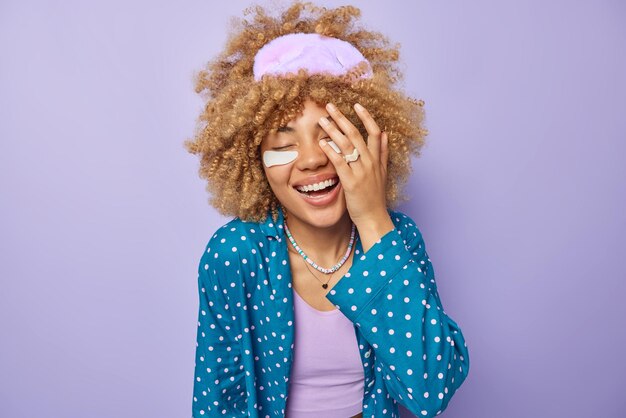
<point>519,194</point>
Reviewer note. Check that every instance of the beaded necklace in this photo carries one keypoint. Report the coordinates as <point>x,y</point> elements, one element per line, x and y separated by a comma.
<point>313,263</point>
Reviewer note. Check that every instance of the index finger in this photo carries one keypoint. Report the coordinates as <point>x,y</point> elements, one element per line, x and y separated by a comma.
<point>348,129</point>
<point>373,130</point>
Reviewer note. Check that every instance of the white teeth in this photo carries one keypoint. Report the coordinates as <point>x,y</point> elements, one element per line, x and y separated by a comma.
<point>317,186</point>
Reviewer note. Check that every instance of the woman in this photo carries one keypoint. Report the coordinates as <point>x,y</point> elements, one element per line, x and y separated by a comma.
<point>316,300</point>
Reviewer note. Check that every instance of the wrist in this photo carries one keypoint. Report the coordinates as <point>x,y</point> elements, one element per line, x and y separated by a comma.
<point>373,229</point>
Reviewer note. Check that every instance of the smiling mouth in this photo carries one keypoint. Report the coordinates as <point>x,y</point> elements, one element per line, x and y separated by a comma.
<point>321,192</point>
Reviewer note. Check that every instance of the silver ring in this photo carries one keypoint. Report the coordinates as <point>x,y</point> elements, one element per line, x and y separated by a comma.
<point>350,158</point>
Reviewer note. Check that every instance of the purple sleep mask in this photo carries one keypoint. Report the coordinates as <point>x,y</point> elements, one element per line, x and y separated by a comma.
<point>310,51</point>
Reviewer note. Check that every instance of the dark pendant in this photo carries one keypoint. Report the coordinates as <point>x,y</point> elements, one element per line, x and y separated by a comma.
<point>325,285</point>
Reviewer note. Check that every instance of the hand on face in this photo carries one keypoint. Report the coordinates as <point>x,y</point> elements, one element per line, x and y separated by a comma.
<point>364,180</point>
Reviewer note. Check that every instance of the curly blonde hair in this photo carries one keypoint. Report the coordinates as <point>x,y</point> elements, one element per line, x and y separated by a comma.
<point>240,112</point>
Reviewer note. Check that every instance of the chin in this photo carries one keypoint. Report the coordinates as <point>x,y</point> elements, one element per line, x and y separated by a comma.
<point>327,220</point>
<point>321,217</point>
<point>324,217</point>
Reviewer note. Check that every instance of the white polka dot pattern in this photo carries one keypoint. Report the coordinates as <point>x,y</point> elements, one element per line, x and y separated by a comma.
<point>412,352</point>
<point>403,317</point>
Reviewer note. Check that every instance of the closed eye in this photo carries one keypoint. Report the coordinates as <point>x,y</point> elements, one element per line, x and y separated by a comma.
<point>281,148</point>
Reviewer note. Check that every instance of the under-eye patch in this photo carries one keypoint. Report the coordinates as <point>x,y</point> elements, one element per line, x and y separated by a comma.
<point>271,158</point>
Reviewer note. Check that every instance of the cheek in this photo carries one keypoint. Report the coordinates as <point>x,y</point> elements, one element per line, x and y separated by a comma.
<point>278,180</point>
<point>277,166</point>
<point>278,175</point>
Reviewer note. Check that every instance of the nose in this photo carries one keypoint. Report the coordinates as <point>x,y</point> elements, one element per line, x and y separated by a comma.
<point>311,156</point>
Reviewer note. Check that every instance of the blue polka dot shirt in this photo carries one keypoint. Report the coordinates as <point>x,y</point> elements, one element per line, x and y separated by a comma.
<point>412,352</point>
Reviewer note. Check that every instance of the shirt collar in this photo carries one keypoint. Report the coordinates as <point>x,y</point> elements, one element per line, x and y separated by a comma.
<point>271,228</point>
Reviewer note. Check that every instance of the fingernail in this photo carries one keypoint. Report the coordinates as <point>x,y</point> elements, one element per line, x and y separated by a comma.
<point>324,121</point>
<point>359,107</point>
<point>334,146</point>
<point>331,107</point>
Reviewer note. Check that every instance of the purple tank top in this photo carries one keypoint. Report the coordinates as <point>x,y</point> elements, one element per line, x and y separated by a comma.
<point>326,378</point>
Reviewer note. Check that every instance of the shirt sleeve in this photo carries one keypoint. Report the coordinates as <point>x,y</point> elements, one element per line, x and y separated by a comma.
<point>391,295</point>
<point>219,378</point>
